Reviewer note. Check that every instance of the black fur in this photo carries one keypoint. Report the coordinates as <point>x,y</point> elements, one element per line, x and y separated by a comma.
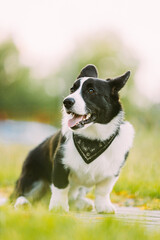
<point>76,85</point>
<point>39,166</point>
<point>60,173</point>
<point>100,102</point>
<point>88,71</point>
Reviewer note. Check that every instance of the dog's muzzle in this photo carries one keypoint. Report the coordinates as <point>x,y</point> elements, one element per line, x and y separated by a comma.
<point>76,121</point>
<point>68,103</point>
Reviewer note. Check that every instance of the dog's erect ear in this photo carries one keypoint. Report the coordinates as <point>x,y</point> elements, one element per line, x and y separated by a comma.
<point>119,82</point>
<point>88,71</point>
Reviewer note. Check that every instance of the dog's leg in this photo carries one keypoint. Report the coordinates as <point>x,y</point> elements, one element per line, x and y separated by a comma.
<point>60,186</point>
<point>78,200</point>
<point>102,195</point>
<point>37,190</point>
<point>82,202</point>
<point>59,199</point>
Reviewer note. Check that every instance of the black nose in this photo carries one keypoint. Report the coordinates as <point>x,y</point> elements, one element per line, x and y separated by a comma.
<point>69,102</point>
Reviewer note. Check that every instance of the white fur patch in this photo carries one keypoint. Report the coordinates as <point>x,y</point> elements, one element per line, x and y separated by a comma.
<point>34,192</point>
<point>21,201</point>
<point>84,204</point>
<point>104,205</point>
<point>59,199</point>
<point>78,200</point>
<point>102,196</point>
<point>78,108</point>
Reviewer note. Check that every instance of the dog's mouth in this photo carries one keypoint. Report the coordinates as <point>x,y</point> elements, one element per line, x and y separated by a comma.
<point>79,121</point>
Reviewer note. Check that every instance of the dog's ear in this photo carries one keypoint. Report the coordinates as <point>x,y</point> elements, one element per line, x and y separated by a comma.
<point>119,82</point>
<point>88,71</point>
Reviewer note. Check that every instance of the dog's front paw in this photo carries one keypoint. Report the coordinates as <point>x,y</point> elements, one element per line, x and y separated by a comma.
<point>107,208</point>
<point>59,199</point>
<point>84,204</point>
<point>58,205</point>
<point>103,206</point>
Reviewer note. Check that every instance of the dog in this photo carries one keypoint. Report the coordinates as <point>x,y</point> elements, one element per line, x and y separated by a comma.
<point>89,150</point>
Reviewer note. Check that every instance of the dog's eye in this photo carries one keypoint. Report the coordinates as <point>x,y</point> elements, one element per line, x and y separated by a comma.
<point>91,91</point>
<point>72,90</point>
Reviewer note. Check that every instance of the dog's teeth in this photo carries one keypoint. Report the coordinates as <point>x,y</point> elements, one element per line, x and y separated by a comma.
<point>88,116</point>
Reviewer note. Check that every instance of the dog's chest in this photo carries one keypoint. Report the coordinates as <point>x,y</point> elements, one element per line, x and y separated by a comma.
<point>87,174</point>
<point>106,165</point>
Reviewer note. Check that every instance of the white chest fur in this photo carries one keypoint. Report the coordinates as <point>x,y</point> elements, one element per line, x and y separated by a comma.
<point>106,165</point>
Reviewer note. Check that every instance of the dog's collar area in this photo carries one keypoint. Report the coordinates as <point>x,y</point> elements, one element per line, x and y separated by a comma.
<point>91,149</point>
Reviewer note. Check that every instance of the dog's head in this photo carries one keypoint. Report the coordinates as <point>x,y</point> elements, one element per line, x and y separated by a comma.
<point>93,100</point>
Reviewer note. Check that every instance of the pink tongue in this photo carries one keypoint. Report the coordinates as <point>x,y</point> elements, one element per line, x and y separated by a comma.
<point>76,119</point>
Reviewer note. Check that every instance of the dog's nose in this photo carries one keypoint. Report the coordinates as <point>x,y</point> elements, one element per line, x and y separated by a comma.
<point>68,102</point>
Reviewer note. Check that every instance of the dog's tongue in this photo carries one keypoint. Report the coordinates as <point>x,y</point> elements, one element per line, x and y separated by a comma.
<point>76,119</point>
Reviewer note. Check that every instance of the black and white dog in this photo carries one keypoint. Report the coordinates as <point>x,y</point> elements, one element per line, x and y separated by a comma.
<point>88,151</point>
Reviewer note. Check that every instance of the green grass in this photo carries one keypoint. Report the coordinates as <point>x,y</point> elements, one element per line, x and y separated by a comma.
<point>11,159</point>
<point>38,223</point>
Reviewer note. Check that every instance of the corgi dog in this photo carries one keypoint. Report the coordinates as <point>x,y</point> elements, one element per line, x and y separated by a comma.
<point>88,151</point>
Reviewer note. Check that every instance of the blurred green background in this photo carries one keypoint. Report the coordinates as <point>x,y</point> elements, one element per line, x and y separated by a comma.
<point>25,97</point>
